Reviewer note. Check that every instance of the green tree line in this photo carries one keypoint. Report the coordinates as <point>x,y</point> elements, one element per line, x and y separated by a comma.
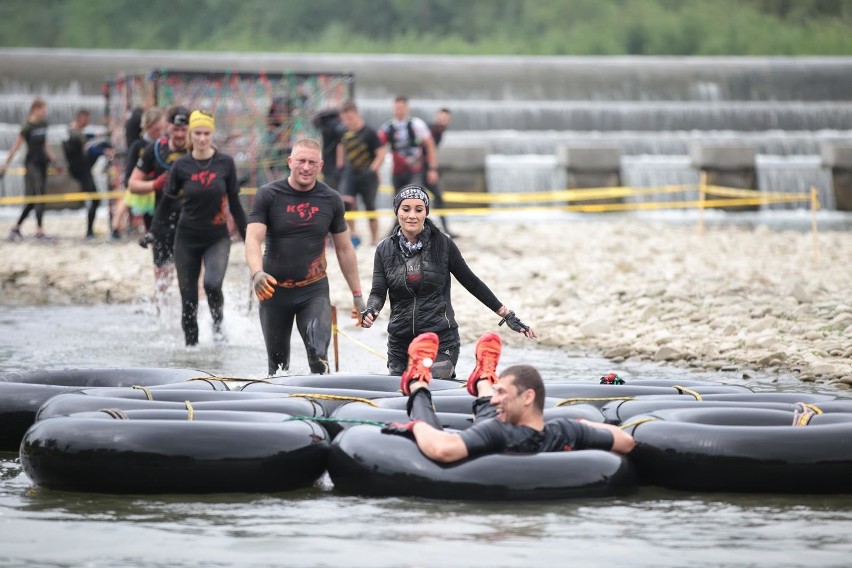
<point>467,27</point>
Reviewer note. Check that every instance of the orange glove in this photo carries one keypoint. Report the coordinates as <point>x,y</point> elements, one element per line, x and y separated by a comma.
<point>263,285</point>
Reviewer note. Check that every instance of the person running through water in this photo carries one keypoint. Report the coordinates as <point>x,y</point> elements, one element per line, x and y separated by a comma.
<point>151,174</point>
<point>204,185</point>
<point>515,399</point>
<point>294,216</point>
<point>39,156</point>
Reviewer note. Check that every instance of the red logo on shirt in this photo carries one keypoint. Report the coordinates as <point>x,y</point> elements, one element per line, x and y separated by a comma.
<point>205,178</point>
<point>305,210</point>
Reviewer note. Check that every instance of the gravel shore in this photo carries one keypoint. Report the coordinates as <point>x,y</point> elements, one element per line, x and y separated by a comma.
<point>732,298</point>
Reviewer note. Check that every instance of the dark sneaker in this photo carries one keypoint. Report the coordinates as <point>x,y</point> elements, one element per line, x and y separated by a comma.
<point>488,350</point>
<point>421,356</point>
<point>15,235</point>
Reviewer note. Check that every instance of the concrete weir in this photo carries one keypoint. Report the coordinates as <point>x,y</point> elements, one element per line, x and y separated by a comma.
<point>642,110</point>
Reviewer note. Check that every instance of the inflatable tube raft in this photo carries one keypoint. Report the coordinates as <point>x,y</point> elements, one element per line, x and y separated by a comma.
<point>172,456</point>
<point>364,461</point>
<point>119,377</point>
<point>753,459</point>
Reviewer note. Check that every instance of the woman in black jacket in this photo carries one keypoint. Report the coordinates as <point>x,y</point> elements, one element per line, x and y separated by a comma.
<point>413,268</point>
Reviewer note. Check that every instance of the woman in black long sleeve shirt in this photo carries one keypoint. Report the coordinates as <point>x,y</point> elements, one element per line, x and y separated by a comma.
<point>413,268</point>
<point>204,184</point>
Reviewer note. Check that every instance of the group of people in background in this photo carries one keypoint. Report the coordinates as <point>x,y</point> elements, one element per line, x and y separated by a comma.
<point>187,193</point>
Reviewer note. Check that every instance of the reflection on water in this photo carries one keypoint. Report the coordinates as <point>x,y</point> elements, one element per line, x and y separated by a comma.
<point>318,527</point>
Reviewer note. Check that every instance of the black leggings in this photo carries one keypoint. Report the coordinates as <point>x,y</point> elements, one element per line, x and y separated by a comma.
<point>445,362</point>
<point>35,183</point>
<point>420,407</point>
<point>87,185</point>
<point>311,308</point>
<point>190,252</point>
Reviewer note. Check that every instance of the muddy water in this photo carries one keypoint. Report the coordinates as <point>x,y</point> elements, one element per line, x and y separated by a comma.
<point>318,527</point>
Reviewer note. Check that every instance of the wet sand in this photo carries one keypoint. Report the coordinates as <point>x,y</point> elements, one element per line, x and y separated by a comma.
<point>732,299</point>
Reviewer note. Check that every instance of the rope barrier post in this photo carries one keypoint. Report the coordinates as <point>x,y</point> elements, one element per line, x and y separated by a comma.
<point>814,208</point>
<point>702,196</point>
<point>334,338</point>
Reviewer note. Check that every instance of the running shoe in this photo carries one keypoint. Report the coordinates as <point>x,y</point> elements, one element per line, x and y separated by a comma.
<point>15,235</point>
<point>421,357</point>
<point>488,350</point>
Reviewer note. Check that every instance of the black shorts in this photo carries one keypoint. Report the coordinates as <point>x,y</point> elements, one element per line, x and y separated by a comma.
<point>364,183</point>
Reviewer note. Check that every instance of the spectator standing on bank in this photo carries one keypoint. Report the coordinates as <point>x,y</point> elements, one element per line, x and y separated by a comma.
<point>360,156</point>
<point>39,155</point>
<point>79,164</point>
<point>441,122</point>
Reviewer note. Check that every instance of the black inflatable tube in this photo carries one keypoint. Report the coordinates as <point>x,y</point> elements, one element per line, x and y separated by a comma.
<point>621,411</point>
<point>176,395</point>
<point>67,404</point>
<point>118,377</point>
<point>363,461</point>
<point>184,414</point>
<point>19,403</point>
<point>756,459</point>
<point>382,383</point>
<point>789,397</point>
<point>168,456</point>
<point>593,391</point>
<point>338,396</point>
<point>722,416</point>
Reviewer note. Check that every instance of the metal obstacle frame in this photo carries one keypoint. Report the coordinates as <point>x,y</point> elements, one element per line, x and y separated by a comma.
<point>242,103</point>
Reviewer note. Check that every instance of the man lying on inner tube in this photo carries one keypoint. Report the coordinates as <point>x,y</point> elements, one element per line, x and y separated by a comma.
<point>515,398</point>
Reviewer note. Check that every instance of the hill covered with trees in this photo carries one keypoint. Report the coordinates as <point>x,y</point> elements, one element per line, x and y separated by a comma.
<point>469,27</point>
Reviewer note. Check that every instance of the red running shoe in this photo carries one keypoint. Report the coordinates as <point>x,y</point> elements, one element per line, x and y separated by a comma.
<point>421,357</point>
<point>488,350</point>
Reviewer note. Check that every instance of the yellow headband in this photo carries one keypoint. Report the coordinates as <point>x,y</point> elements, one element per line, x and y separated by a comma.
<point>201,118</point>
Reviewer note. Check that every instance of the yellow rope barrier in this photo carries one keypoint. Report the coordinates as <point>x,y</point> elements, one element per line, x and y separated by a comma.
<point>361,344</point>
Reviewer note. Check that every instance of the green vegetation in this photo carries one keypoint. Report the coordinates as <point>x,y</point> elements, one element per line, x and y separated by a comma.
<point>467,27</point>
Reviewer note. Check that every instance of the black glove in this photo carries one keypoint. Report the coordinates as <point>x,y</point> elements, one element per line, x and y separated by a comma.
<point>401,429</point>
<point>514,323</point>
<point>368,311</point>
<point>145,240</point>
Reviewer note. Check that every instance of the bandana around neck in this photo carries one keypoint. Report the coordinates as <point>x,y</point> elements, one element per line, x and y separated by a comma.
<point>409,248</point>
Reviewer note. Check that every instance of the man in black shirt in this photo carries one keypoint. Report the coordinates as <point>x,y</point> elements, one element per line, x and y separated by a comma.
<point>293,217</point>
<point>79,164</point>
<point>515,399</point>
